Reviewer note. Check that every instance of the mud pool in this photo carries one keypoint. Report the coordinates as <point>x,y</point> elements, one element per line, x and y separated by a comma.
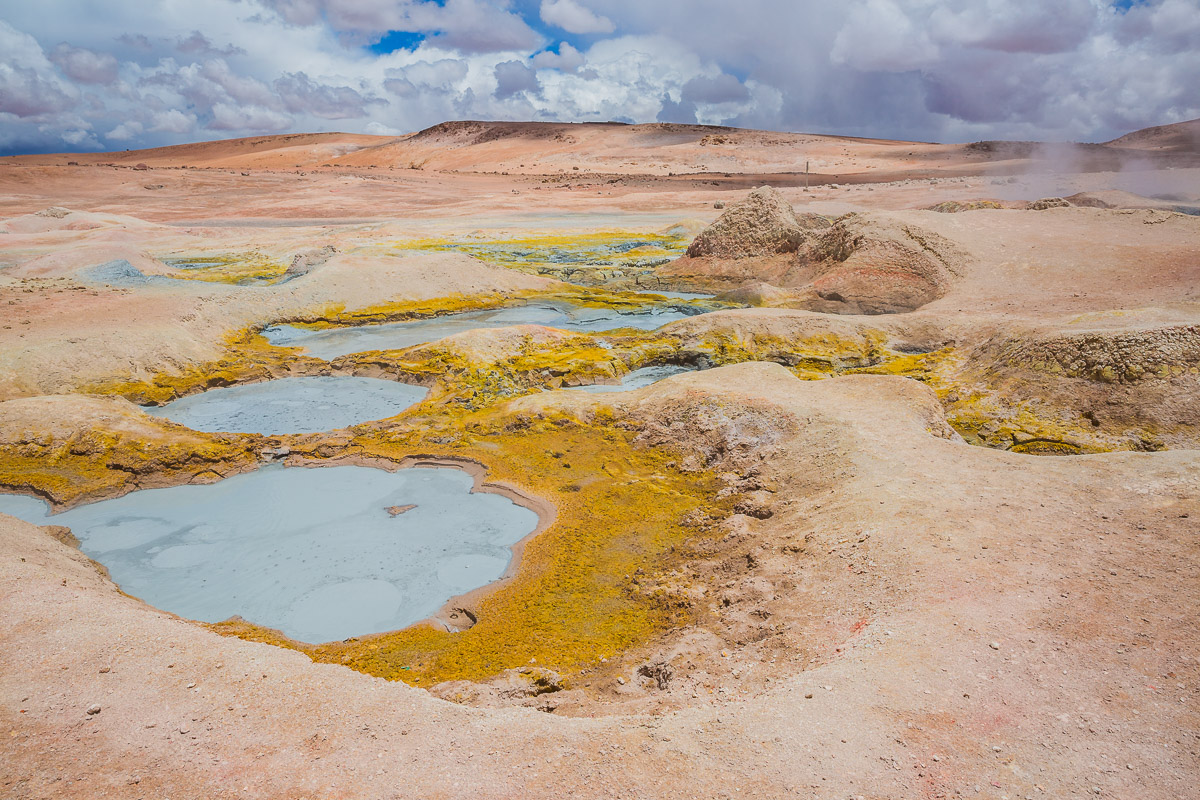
<point>636,379</point>
<point>292,405</point>
<point>333,342</point>
<point>312,552</point>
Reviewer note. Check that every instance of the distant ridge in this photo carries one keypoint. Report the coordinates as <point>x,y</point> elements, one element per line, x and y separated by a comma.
<point>1181,137</point>
<point>614,149</point>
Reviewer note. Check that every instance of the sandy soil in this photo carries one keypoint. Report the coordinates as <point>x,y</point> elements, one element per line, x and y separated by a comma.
<point>900,615</point>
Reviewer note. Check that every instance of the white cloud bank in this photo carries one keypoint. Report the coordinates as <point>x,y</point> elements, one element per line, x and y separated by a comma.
<point>151,72</point>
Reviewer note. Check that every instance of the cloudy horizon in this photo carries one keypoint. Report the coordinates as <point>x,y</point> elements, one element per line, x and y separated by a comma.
<point>159,72</point>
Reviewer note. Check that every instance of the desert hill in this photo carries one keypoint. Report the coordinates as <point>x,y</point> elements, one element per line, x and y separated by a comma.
<point>1182,137</point>
<point>655,149</point>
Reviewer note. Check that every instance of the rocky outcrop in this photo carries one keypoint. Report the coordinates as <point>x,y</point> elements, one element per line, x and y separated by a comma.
<point>1047,203</point>
<point>532,687</point>
<point>858,264</point>
<point>763,224</point>
<point>873,265</point>
<point>306,262</point>
<point>956,206</point>
<point>1113,357</point>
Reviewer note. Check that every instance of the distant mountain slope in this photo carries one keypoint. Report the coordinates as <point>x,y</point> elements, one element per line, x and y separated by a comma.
<point>617,149</point>
<point>1182,137</point>
<point>522,147</point>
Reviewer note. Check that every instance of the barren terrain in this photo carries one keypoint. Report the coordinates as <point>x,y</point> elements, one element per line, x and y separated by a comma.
<point>922,524</point>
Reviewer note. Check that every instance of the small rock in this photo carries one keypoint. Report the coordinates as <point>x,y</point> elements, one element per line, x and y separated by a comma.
<point>105,670</point>
<point>808,695</point>
<point>718,205</point>
<point>994,645</point>
<point>996,749</point>
<point>396,511</point>
<point>620,680</point>
<point>93,709</point>
<point>191,686</point>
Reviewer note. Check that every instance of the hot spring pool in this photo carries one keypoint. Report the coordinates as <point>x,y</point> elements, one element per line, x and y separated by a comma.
<point>312,552</point>
<point>636,379</point>
<point>292,405</point>
<point>333,342</point>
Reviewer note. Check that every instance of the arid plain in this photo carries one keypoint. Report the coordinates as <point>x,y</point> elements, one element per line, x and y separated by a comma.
<point>921,519</point>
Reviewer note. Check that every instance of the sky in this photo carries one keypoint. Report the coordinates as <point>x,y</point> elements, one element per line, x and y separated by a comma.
<point>81,75</point>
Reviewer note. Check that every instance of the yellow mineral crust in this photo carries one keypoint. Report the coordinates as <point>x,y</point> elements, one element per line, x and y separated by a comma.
<point>70,449</point>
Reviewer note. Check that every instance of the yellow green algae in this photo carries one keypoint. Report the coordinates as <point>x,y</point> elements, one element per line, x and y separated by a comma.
<point>94,464</point>
<point>988,417</point>
<point>458,378</point>
<point>578,593</point>
<point>595,257</point>
<point>336,315</point>
<point>227,267</point>
<point>589,586</point>
<point>248,357</point>
<point>982,415</point>
<point>597,249</point>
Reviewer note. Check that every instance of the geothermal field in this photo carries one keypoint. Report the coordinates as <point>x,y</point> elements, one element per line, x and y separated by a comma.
<point>508,460</point>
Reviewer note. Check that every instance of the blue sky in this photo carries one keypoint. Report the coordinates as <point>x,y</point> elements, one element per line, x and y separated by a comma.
<point>140,73</point>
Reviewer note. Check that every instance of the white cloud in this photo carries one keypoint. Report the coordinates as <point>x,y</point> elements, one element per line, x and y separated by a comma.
<point>574,18</point>
<point>130,129</point>
<point>567,59</point>
<point>301,94</point>
<point>513,77</point>
<point>173,121</point>
<point>379,129</point>
<point>879,36</point>
<point>1015,26</point>
<point>471,25</point>
<point>29,86</point>
<point>249,119</point>
<point>83,65</point>
<point>144,74</point>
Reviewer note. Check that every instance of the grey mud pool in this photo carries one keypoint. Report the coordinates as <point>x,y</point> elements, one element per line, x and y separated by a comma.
<point>292,405</point>
<point>331,343</point>
<point>320,554</point>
